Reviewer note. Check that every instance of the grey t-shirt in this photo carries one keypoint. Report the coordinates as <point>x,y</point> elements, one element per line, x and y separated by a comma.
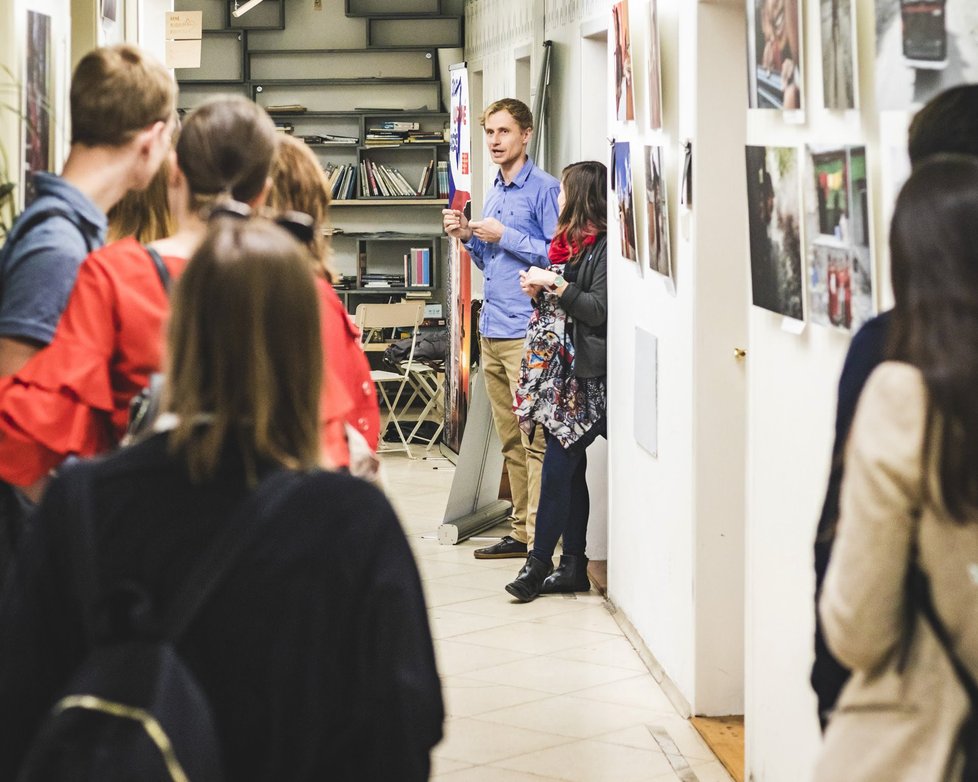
<point>38,269</point>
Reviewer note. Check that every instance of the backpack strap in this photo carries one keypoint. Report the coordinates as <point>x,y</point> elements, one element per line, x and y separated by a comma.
<point>34,219</point>
<point>256,508</point>
<point>161,269</point>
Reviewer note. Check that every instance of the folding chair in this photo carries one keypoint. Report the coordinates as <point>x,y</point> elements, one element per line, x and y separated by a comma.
<point>373,320</point>
<point>426,379</point>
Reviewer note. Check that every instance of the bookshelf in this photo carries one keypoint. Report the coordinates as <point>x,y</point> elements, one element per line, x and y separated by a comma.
<point>338,74</point>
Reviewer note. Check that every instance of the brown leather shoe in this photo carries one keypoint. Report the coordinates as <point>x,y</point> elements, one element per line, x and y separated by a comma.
<point>507,548</point>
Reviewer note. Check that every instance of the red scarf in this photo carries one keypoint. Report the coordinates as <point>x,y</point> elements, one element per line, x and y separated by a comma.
<point>562,250</point>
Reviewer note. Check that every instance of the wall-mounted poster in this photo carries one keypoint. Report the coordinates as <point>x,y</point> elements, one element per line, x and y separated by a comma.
<point>774,54</point>
<point>839,54</point>
<point>658,213</point>
<point>922,48</point>
<point>840,267</point>
<point>773,202</point>
<point>624,89</point>
<point>655,69</point>
<point>38,141</point>
<point>624,193</point>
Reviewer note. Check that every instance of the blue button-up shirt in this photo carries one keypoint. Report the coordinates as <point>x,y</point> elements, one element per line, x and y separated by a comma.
<point>527,206</point>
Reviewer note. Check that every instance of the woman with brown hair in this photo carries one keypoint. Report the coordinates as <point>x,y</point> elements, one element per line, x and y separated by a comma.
<point>302,682</point>
<point>349,398</point>
<point>899,605</point>
<point>73,397</point>
<point>562,379</point>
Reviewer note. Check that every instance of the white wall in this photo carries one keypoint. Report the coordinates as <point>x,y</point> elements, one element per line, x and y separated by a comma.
<point>792,395</point>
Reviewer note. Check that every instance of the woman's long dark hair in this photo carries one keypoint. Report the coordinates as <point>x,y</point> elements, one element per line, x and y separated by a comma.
<point>934,251</point>
<point>585,209</point>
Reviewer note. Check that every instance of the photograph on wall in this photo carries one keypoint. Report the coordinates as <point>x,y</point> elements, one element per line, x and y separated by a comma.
<point>624,82</point>
<point>922,48</point>
<point>774,55</point>
<point>839,54</point>
<point>658,213</point>
<point>840,266</point>
<point>773,202</point>
<point>624,194</point>
<point>655,69</point>
<point>38,144</point>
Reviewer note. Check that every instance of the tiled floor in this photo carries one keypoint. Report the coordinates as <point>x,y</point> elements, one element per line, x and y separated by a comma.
<point>549,690</point>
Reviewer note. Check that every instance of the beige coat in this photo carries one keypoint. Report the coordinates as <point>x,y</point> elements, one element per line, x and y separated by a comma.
<point>892,725</point>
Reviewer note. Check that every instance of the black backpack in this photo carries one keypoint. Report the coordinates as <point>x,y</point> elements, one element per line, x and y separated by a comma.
<point>133,711</point>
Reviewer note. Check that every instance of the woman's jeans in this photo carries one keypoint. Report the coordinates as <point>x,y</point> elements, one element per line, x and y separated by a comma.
<point>564,501</point>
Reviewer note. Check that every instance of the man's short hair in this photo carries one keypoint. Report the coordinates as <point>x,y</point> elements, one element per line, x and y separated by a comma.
<point>117,91</point>
<point>517,109</point>
<point>947,124</point>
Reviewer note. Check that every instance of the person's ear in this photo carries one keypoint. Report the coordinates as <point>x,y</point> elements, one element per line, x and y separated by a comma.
<point>526,135</point>
<point>259,200</point>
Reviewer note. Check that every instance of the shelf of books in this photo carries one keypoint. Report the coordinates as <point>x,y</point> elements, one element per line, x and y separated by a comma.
<point>389,266</point>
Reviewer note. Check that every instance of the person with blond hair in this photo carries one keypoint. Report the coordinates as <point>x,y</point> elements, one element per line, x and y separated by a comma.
<point>73,397</point>
<point>302,683</point>
<point>122,114</point>
<point>514,234</point>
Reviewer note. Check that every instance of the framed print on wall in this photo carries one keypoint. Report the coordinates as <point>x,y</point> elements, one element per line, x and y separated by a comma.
<point>660,258</point>
<point>840,264</point>
<point>623,76</point>
<point>621,182</point>
<point>774,219</point>
<point>774,41</point>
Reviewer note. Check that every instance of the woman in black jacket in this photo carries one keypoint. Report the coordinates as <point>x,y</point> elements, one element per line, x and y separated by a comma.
<point>562,379</point>
<point>313,651</point>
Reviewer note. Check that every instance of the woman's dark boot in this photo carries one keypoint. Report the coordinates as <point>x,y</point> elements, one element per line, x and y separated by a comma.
<point>570,576</point>
<point>527,584</point>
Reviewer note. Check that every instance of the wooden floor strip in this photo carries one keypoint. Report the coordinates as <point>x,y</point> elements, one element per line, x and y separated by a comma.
<point>725,736</point>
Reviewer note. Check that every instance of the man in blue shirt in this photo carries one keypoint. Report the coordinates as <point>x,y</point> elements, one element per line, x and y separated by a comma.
<point>122,117</point>
<point>519,220</point>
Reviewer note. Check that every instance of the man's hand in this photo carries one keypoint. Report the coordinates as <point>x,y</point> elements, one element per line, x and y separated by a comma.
<point>456,225</point>
<point>488,230</point>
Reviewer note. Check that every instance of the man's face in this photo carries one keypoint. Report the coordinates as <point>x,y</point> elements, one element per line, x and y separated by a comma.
<point>504,138</point>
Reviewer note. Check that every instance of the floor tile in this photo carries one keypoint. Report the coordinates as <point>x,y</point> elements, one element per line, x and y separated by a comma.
<point>454,658</point>
<point>477,742</point>
<point>466,697</point>
<point>551,675</point>
<point>590,761</point>
<point>638,691</point>
<point>446,623</point>
<point>616,652</point>
<point>491,579</point>
<point>531,637</point>
<point>492,774</point>
<point>505,606</point>
<point>595,617</point>
<point>437,594</point>
<point>570,716</point>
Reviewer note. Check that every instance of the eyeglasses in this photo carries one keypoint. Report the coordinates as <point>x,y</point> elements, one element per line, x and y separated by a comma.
<point>299,224</point>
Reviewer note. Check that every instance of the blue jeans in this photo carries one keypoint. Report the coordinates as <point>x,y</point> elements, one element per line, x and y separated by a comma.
<point>564,500</point>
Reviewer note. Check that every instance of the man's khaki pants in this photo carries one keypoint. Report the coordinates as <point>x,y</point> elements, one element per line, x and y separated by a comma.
<point>524,460</point>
